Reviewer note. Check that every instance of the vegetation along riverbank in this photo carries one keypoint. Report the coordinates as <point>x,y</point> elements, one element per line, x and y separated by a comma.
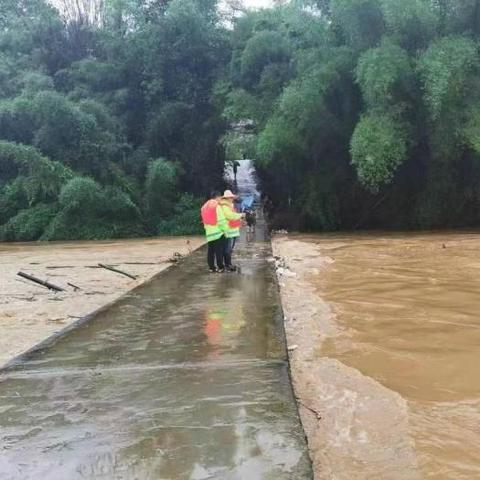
<point>116,119</point>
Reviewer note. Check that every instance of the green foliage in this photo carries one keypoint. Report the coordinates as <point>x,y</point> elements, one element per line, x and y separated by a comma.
<point>17,120</point>
<point>237,145</point>
<point>88,211</point>
<point>471,130</point>
<point>261,50</point>
<point>445,68</point>
<point>160,188</point>
<point>240,105</point>
<point>87,104</point>
<point>42,179</point>
<point>414,21</point>
<point>97,100</point>
<point>378,147</point>
<point>360,22</point>
<point>185,219</point>
<point>384,75</point>
<point>278,138</point>
<point>13,198</point>
<point>33,82</point>
<point>81,195</point>
<point>28,224</point>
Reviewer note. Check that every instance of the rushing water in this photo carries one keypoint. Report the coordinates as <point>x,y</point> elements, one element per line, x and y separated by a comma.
<point>408,306</point>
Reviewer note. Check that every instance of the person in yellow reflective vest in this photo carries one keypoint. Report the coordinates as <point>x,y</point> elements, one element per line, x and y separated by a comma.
<point>234,222</point>
<point>215,225</point>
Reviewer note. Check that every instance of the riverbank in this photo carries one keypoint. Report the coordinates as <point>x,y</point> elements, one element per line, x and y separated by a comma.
<point>29,313</point>
<point>383,333</point>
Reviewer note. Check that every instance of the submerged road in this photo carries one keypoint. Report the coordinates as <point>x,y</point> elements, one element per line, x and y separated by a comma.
<point>183,378</point>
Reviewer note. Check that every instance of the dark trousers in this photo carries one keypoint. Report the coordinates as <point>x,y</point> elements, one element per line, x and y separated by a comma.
<point>229,245</point>
<point>216,249</point>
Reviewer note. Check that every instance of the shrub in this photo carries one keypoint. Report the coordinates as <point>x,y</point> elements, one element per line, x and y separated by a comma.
<point>445,68</point>
<point>13,199</point>
<point>160,188</point>
<point>64,227</point>
<point>89,211</point>
<point>43,178</point>
<point>29,224</point>
<point>261,50</point>
<point>378,148</point>
<point>186,219</point>
<point>383,74</point>
<point>83,196</point>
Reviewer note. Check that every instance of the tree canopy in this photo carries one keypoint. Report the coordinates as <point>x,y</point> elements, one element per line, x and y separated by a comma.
<point>117,117</point>
<point>107,115</point>
<point>373,118</point>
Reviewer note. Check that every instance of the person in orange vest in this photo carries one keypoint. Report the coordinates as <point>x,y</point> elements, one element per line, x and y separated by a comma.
<point>215,225</point>
<point>234,221</point>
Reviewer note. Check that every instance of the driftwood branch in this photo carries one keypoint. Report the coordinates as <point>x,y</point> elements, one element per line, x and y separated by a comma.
<point>116,270</point>
<point>48,285</point>
<point>75,287</point>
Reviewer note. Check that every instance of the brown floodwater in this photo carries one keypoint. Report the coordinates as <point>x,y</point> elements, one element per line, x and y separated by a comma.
<point>408,306</point>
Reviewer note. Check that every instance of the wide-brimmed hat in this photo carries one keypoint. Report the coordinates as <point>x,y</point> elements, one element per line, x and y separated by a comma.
<point>229,194</point>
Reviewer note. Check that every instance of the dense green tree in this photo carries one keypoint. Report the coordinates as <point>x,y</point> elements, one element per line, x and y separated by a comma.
<point>116,116</point>
<point>375,122</point>
<point>98,88</point>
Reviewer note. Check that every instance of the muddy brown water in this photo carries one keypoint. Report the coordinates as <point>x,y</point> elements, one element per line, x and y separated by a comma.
<point>409,310</point>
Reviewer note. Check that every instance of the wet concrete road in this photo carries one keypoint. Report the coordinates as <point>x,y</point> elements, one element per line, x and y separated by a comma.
<point>183,378</point>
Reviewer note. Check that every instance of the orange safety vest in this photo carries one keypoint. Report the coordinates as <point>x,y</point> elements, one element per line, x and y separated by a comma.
<point>209,212</point>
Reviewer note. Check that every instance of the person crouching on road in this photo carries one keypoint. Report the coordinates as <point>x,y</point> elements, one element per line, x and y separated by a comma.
<point>234,221</point>
<point>215,225</point>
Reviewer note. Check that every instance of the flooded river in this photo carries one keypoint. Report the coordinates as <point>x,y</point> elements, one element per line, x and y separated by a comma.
<point>408,310</point>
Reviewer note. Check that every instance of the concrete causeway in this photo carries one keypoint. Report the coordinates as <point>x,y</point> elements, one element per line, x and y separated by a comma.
<point>185,377</point>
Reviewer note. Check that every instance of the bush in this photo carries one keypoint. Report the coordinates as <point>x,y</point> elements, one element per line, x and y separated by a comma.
<point>13,199</point>
<point>64,227</point>
<point>160,188</point>
<point>378,148</point>
<point>43,178</point>
<point>29,224</point>
<point>91,212</point>
<point>83,196</point>
<point>383,74</point>
<point>261,50</point>
<point>186,219</point>
<point>445,68</point>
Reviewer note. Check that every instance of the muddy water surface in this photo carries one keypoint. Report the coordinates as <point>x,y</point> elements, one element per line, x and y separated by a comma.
<point>409,311</point>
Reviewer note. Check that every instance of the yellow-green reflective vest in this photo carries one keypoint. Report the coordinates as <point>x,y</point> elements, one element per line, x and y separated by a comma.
<point>232,217</point>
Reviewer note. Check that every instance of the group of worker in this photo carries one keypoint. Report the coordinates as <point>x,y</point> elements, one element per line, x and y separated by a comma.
<point>222,223</point>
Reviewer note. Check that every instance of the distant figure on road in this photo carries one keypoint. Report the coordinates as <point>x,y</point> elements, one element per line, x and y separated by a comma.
<point>215,225</point>
<point>236,164</point>
<point>267,207</point>
<point>251,219</point>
